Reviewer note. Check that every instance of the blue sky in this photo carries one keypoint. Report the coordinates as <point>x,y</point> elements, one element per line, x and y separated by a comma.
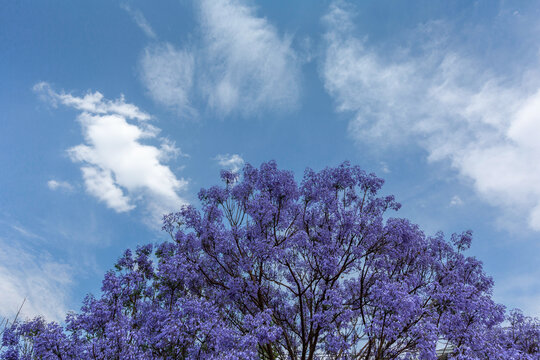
<point>115,112</point>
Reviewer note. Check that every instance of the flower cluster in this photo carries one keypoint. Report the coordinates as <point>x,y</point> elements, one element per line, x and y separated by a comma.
<point>271,269</point>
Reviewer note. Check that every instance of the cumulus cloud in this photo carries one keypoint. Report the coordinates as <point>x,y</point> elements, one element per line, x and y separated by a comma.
<point>242,64</point>
<point>486,126</point>
<point>117,167</point>
<point>91,103</point>
<point>232,162</point>
<point>59,185</point>
<point>140,20</point>
<point>101,184</point>
<point>33,276</point>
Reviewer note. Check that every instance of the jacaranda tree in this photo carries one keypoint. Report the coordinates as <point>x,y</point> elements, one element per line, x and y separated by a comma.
<point>267,268</point>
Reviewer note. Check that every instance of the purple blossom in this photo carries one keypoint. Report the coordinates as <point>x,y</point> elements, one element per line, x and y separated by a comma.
<point>269,269</point>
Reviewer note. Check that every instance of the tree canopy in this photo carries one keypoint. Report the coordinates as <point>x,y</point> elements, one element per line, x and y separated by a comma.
<point>268,268</point>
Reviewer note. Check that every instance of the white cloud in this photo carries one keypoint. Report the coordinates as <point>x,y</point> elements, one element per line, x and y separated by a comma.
<point>486,126</point>
<point>101,184</point>
<point>456,201</point>
<point>59,185</point>
<point>168,150</point>
<point>44,283</point>
<point>232,162</point>
<point>168,74</point>
<point>117,167</point>
<point>250,66</point>
<point>140,20</point>
<point>242,65</point>
<point>91,103</point>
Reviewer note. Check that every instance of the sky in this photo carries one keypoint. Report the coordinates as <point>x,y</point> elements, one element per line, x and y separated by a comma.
<point>117,112</point>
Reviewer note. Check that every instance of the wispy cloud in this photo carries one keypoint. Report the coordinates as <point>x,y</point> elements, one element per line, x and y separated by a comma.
<point>250,66</point>
<point>24,231</point>
<point>456,201</point>
<point>167,74</point>
<point>485,125</point>
<point>242,65</point>
<point>117,167</point>
<point>140,20</point>
<point>34,275</point>
<point>59,185</point>
<point>232,162</point>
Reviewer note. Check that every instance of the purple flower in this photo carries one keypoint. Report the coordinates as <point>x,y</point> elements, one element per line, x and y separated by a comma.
<point>269,269</point>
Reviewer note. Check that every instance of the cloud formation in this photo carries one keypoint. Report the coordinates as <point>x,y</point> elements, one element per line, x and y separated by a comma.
<point>59,185</point>
<point>140,20</point>
<point>232,162</point>
<point>250,66</point>
<point>242,65</point>
<point>93,103</point>
<point>486,126</point>
<point>33,276</point>
<point>167,74</point>
<point>117,167</point>
<point>456,201</point>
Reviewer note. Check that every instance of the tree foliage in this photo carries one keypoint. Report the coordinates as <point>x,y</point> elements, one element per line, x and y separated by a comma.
<point>270,269</point>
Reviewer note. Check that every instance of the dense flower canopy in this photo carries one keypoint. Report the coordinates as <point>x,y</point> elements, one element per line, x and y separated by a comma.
<point>270,269</point>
